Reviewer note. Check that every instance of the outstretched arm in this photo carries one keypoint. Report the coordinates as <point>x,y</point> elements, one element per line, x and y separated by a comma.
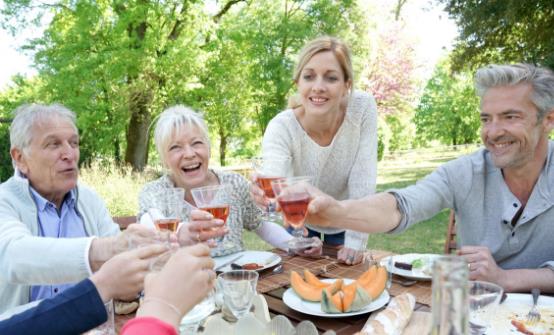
<point>372,214</point>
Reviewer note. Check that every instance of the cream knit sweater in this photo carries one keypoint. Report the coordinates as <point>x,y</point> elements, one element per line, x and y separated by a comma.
<point>345,169</point>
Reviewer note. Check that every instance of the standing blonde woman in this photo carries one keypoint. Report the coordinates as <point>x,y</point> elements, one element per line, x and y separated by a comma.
<point>329,132</point>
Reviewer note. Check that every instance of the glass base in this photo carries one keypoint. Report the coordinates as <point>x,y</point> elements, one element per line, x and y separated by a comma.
<point>300,243</point>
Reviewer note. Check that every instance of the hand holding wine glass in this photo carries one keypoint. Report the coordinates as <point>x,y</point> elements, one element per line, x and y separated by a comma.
<point>214,199</point>
<point>265,171</point>
<point>293,198</point>
<point>185,280</point>
<point>202,227</point>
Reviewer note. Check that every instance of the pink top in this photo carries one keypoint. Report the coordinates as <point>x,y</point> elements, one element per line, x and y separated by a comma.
<point>146,325</point>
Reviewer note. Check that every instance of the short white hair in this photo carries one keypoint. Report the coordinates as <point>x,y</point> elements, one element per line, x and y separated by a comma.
<point>172,120</point>
<point>26,117</point>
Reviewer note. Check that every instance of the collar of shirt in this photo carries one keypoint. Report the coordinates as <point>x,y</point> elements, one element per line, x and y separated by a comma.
<point>42,203</point>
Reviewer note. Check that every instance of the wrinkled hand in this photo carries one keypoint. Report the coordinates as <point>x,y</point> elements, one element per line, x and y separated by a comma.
<point>137,235</point>
<point>122,276</point>
<point>482,265</point>
<point>314,251</point>
<point>257,194</point>
<point>183,282</point>
<point>350,256</point>
<point>104,248</point>
<point>202,227</point>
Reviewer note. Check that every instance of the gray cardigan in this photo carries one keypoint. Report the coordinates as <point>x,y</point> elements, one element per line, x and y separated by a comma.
<point>475,188</point>
<point>27,259</point>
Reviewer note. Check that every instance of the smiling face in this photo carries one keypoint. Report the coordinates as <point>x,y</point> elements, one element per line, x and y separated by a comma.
<point>321,84</point>
<point>50,162</point>
<point>510,128</point>
<point>187,156</point>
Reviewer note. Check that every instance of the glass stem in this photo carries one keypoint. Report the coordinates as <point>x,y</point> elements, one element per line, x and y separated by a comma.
<point>298,232</point>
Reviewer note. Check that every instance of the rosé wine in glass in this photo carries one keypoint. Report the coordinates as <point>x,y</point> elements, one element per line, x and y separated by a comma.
<point>214,199</point>
<point>267,170</point>
<point>293,198</point>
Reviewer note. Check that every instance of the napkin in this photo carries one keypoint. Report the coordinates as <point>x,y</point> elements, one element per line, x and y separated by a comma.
<point>393,319</point>
<point>147,219</point>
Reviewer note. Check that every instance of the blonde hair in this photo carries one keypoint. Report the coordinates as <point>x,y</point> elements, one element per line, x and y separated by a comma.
<point>172,120</point>
<point>322,44</point>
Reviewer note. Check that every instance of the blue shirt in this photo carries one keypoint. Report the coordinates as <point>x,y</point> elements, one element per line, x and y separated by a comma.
<point>65,223</point>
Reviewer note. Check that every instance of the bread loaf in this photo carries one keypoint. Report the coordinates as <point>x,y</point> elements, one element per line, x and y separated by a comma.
<point>393,319</point>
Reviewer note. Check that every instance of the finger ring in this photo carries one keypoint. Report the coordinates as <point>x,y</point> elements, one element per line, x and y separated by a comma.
<point>469,266</point>
<point>197,237</point>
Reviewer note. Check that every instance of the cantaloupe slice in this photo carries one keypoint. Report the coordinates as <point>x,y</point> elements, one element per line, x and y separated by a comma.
<point>313,280</point>
<point>377,285</point>
<point>303,289</point>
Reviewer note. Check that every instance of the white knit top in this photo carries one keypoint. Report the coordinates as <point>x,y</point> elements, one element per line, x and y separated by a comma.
<point>345,169</point>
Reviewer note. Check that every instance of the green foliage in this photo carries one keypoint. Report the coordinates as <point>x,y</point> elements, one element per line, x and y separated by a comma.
<point>118,187</point>
<point>6,170</point>
<point>449,109</point>
<point>502,31</point>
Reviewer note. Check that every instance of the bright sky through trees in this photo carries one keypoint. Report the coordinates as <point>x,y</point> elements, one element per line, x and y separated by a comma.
<point>431,27</point>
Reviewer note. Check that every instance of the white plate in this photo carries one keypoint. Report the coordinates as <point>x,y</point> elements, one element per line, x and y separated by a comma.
<point>517,306</point>
<point>415,274</point>
<point>291,299</point>
<point>265,258</point>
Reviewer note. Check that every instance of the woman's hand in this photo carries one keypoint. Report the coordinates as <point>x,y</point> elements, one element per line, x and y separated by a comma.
<point>202,227</point>
<point>184,281</point>
<point>315,250</point>
<point>350,256</point>
<point>123,275</point>
<point>257,194</point>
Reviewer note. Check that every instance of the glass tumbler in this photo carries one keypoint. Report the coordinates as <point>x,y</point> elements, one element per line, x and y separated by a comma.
<point>450,303</point>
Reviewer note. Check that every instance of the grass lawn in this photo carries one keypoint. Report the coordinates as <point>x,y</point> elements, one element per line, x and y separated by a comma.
<point>396,172</point>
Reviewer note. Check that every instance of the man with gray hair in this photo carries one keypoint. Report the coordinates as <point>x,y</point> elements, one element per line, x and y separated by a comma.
<point>503,194</point>
<point>48,221</point>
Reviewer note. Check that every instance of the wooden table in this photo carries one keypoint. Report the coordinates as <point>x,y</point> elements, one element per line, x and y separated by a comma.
<point>273,286</point>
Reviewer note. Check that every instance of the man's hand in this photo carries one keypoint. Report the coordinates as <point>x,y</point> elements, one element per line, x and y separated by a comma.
<point>350,256</point>
<point>201,228</point>
<point>481,264</point>
<point>104,248</point>
<point>323,209</point>
<point>122,276</point>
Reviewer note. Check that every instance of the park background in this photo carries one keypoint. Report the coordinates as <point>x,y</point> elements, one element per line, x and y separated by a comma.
<point>118,64</point>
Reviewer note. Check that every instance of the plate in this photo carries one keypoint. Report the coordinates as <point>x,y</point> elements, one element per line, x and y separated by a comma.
<point>291,299</point>
<point>517,306</point>
<point>415,274</point>
<point>265,258</point>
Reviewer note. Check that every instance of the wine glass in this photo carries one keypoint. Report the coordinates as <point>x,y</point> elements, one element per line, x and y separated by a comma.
<point>484,298</point>
<point>170,204</point>
<point>239,289</point>
<point>293,198</point>
<point>214,199</point>
<point>192,320</point>
<point>267,170</point>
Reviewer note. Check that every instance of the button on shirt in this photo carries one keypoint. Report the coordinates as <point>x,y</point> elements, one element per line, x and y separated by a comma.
<point>485,209</point>
<point>63,224</point>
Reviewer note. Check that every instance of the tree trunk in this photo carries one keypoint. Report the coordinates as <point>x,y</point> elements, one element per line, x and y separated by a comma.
<point>136,153</point>
<point>222,148</point>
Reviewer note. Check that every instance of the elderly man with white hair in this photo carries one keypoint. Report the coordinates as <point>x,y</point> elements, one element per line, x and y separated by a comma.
<point>53,230</point>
